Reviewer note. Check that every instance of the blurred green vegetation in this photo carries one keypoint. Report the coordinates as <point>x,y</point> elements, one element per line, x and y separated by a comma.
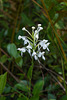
<point>52,14</point>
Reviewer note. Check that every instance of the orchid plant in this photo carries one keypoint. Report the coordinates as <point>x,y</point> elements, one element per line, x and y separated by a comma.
<point>35,47</point>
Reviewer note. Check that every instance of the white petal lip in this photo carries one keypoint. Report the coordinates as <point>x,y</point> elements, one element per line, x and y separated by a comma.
<point>29,51</point>
<point>39,55</point>
<point>48,49</point>
<point>48,44</point>
<point>36,58</point>
<point>43,57</point>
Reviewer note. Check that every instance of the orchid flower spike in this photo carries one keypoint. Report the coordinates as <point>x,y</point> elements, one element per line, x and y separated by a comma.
<point>35,47</point>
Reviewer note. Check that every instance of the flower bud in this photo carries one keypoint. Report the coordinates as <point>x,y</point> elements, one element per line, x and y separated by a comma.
<point>33,27</point>
<point>23,28</point>
<point>39,25</point>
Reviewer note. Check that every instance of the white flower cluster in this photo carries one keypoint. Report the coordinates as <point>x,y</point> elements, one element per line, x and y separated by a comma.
<point>34,46</point>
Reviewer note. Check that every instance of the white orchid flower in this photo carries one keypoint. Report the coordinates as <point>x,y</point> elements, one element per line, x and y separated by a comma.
<point>41,54</point>
<point>34,54</point>
<point>21,37</point>
<point>29,47</point>
<point>26,41</point>
<point>44,44</point>
<point>22,49</point>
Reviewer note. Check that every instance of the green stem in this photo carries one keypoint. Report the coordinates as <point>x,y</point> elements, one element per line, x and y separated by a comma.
<point>32,64</point>
<point>31,69</point>
<point>64,77</point>
<point>31,76</point>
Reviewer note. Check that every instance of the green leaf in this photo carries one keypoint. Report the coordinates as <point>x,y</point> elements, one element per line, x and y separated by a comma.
<point>2,98</point>
<point>63,97</point>
<point>3,59</point>
<point>19,60</point>
<point>23,85</point>
<point>38,87</point>
<point>29,74</point>
<point>3,79</point>
<point>12,50</point>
